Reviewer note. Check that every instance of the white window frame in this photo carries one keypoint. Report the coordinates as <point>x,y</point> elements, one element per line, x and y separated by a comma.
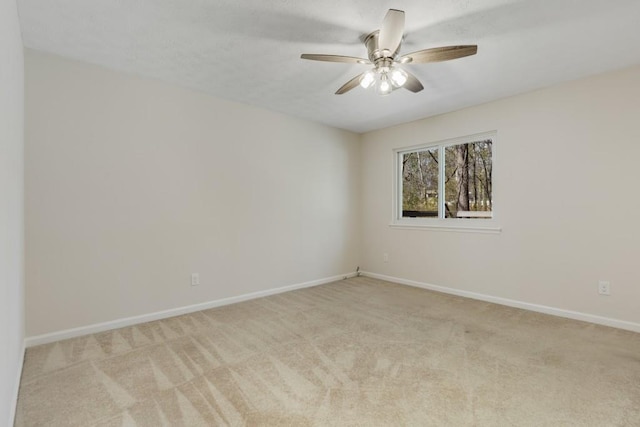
<point>441,223</point>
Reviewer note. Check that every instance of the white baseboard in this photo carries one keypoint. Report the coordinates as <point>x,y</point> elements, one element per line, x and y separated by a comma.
<point>129,321</point>
<point>14,403</point>
<point>576,315</point>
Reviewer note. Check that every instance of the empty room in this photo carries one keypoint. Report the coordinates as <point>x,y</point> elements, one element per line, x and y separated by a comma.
<point>417,213</point>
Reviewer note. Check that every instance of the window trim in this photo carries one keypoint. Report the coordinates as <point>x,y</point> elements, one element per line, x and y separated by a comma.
<point>443,224</point>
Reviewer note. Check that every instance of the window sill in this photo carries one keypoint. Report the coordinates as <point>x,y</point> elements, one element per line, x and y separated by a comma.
<point>442,226</point>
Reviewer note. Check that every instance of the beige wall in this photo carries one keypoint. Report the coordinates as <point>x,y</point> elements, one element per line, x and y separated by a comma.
<point>566,182</point>
<point>132,184</point>
<point>11,214</point>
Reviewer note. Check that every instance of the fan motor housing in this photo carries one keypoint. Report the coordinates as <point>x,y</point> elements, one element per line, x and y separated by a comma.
<point>375,54</point>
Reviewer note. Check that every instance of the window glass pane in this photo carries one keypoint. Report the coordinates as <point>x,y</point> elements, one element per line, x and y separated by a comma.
<point>468,189</point>
<point>420,183</point>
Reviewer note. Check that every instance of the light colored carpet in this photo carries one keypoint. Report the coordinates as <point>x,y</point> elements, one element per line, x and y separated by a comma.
<point>355,352</point>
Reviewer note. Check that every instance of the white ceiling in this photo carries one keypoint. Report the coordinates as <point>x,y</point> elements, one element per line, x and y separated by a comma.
<point>249,50</point>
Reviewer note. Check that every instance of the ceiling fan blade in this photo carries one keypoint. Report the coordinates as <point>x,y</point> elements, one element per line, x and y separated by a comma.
<point>412,83</point>
<point>391,32</point>
<point>350,84</point>
<point>334,58</point>
<point>438,54</point>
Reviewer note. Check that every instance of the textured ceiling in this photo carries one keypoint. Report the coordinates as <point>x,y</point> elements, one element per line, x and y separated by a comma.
<point>249,51</point>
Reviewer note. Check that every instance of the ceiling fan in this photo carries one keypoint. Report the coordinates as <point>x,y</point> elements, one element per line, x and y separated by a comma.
<point>383,47</point>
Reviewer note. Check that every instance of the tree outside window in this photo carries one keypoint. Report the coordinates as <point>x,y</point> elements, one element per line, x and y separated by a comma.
<point>447,180</point>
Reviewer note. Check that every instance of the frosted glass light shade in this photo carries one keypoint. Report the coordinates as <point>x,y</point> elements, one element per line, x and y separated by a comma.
<point>384,86</point>
<point>398,77</point>
<point>367,79</point>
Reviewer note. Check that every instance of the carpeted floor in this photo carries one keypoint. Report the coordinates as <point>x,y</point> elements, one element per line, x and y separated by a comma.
<point>355,352</point>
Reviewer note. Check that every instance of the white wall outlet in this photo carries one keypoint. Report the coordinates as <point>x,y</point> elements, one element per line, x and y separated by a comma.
<point>195,279</point>
<point>385,257</point>
<point>604,287</point>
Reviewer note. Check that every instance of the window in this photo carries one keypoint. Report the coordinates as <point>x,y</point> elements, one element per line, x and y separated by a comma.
<point>447,184</point>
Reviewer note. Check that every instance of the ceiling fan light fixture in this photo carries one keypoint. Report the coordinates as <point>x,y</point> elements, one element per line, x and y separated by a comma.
<point>367,79</point>
<point>383,49</point>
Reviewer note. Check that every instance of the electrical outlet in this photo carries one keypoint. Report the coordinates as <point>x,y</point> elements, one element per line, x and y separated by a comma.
<point>604,287</point>
<point>195,279</point>
<point>385,257</point>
